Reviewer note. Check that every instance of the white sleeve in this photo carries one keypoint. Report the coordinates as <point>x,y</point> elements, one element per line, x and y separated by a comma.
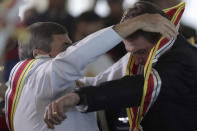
<point>72,62</point>
<point>114,72</point>
<point>69,65</point>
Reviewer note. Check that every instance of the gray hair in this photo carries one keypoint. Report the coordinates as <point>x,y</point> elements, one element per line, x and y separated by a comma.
<point>41,36</point>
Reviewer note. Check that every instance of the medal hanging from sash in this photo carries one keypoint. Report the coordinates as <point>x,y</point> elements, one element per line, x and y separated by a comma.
<point>136,114</point>
<point>192,40</point>
<point>17,87</point>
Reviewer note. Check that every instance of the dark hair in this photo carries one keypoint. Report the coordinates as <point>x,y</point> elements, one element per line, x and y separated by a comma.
<point>89,16</point>
<point>140,8</point>
<point>41,36</point>
<point>152,1</point>
<point>115,1</point>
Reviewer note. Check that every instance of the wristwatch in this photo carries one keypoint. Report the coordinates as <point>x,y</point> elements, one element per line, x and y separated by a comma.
<point>82,106</point>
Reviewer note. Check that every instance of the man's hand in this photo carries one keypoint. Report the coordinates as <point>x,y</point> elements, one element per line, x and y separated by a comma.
<point>160,24</point>
<point>54,113</point>
<point>147,22</point>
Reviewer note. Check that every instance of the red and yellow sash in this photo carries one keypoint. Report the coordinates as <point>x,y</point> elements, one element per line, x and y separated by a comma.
<point>16,89</point>
<point>136,114</point>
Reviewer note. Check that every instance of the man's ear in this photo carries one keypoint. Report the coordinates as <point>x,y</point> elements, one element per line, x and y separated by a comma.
<point>35,52</point>
<point>39,52</point>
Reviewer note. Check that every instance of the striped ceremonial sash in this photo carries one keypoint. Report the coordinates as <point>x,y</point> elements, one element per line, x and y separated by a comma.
<point>151,84</point>
<point>16,89</point>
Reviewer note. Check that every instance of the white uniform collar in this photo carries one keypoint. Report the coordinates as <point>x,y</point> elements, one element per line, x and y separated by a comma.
<point>40,56</point>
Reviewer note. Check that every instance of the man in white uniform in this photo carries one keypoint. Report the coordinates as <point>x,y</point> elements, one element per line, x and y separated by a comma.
<point>47,70</point>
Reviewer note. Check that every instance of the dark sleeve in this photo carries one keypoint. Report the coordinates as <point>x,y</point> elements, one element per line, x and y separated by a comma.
<point>125,92</point>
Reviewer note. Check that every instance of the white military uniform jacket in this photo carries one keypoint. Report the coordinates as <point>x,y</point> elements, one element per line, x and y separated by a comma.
<point>49,79</point>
